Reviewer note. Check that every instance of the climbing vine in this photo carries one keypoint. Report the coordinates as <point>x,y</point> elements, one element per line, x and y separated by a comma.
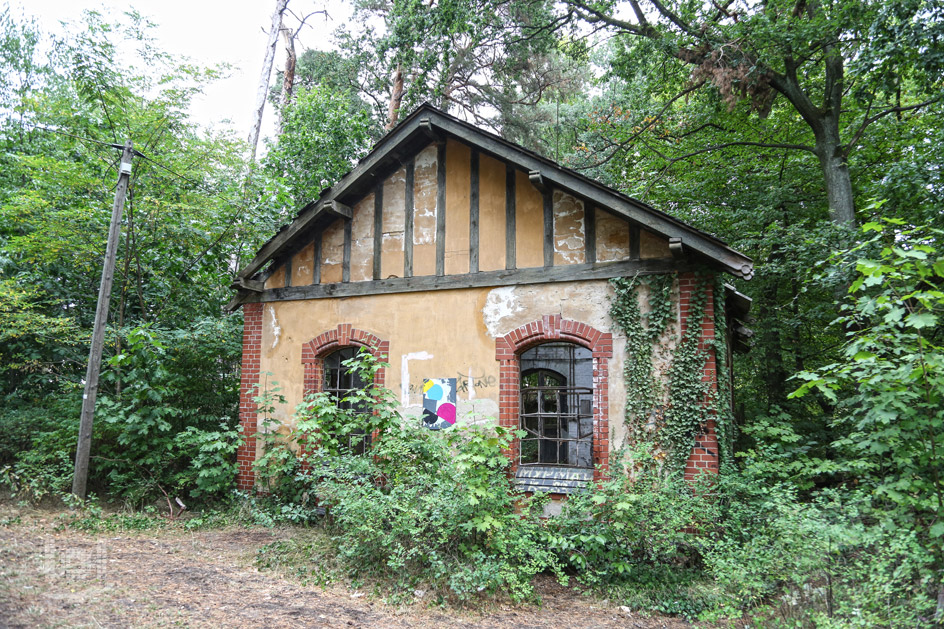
<point>721,403</point>
<point>643,331</point>
<point>670,412</point>
<point>687,412</point>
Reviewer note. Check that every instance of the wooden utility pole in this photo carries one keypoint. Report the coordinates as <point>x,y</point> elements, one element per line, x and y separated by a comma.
<point>84,446</point>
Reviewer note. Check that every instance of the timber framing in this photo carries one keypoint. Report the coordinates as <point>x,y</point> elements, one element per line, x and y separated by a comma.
<point>513,277</point>
<point>427,125</point>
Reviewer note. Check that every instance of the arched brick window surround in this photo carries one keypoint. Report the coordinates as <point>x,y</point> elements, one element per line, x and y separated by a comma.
<point>313,354</point>
<point>551,328</point>
<point>315,351</point>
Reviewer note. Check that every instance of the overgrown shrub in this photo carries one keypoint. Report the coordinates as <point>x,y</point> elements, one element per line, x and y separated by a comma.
<point>419,509</point>
<point>640,517</point>
<point>165,421</point>
<point>433,510</point>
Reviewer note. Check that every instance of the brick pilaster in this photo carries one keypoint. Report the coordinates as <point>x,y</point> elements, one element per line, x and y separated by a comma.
<point>704,455</point>
<point>249,380</point>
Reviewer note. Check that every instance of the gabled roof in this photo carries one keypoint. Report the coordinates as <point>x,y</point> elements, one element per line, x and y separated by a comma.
<point>426,124</point>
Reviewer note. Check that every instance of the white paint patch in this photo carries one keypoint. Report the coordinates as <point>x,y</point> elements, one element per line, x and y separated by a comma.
<point>500,304</point>
<point>425,235</point>
<point>471,384</point>
<point>276,328</point>
<point>426,158</point>
<point>405,374</point>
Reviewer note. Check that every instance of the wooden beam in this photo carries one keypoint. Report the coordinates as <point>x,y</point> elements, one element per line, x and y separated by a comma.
<point>418,126</point>
<point>316,264</point>
<point>675,246</point>
<point>346,254</point>
<point>287,266</point>
<point>537,180</point>
<point>548,228</point>
<point>426,127</point>
<point>441,210</point>
<point>312,212</point>
<point>734,262</point>
<point>408,221</point>
<point>378,227</point>
<point>572,272</point>
<point>590,233</point>
<point>336,208</point>
<point>510,216</point>
<point>633,242</point>
<point>474,213</point>
<point>253,286</point>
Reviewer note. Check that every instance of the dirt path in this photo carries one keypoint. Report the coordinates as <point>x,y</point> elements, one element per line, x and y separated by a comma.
<point>51,578</point>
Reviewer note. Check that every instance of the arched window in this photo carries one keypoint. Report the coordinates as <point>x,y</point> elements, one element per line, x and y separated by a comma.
<point>556,413</point>
<point>554,385</point>
<point>323,358</point>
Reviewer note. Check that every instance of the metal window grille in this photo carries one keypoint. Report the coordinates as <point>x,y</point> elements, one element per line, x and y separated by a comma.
<point>341,384</point>
<point>556,411</point>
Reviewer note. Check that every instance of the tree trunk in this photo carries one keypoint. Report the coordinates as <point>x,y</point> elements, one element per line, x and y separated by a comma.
<point>832,161</point>
<point>263,88</point>
<point>288,77</point>
<point>396,98</point>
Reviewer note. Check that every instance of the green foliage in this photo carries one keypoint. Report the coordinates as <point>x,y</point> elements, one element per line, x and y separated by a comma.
<point>633,522</point>
<point>687,412</point>
<point>416,507</point>
<point>448,519</point>
<point>683,402</point>
<point>321,140</point>
<point>643,330</point>
<point>330,426</point>
<point>890,383</point>
<point>821,562</point>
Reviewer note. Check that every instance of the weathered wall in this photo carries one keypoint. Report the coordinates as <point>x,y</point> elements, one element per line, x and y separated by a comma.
<point>458,187</point>
<point>394,224</point>
<point>424,213</point>
<point>448,334</point>
<point>362,240</point>
<point>616,239</point>
<point>612,237</point>
<point>491,214</point>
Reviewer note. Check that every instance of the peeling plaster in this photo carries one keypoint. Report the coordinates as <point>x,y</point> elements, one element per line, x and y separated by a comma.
<point>568,229</point>
<point>427,157</point>
<point>405,374</point>
<point>499,305</point>
<point>276,328</point>
<point>508,307</point>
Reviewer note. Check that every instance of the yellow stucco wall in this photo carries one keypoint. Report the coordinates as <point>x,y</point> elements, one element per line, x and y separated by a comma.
<point>441,334</point>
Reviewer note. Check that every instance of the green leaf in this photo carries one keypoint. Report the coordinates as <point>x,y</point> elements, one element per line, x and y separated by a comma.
<point>919,320</point>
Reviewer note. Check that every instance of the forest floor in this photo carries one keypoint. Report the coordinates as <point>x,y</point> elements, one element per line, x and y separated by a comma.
<point>53,576</point>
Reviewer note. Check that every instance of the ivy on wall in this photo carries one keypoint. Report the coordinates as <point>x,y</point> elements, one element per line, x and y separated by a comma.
<point>721,403</point>
<point>644,330</point>
<point>669,409</point>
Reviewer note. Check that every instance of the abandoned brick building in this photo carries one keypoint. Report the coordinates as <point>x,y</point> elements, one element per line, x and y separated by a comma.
<point>466,259</point>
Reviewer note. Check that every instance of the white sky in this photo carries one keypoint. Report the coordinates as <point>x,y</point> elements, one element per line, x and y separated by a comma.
<point>210,32</point>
